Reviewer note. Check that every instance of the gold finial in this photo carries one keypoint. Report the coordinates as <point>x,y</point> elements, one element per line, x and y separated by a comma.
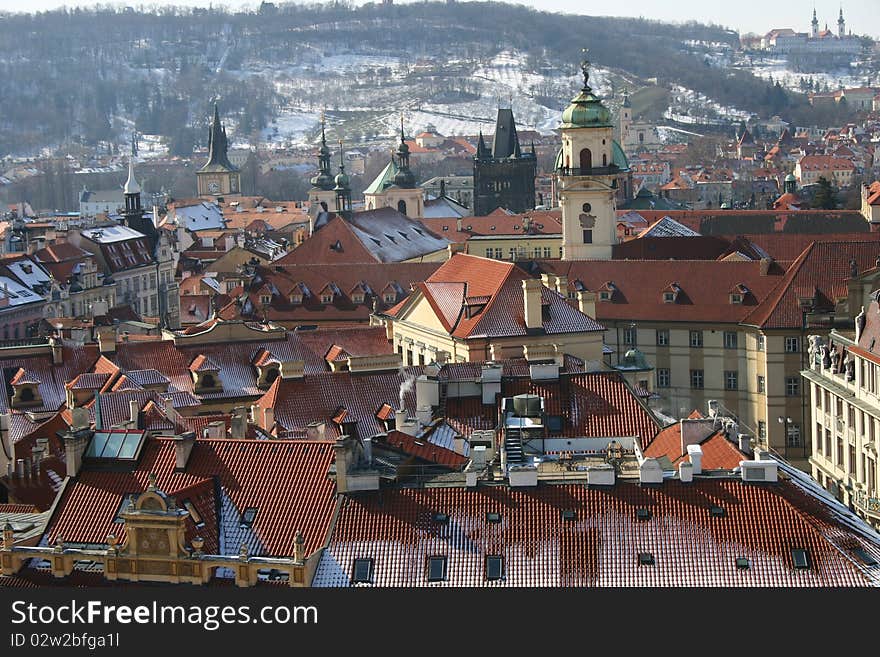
<point>585,67</point>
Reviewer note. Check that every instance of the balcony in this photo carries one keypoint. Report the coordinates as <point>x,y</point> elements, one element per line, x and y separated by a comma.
<point>610,170</point>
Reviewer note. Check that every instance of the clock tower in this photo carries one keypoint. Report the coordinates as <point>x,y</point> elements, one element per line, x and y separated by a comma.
<point>587,169</point>
<point>218,177</point>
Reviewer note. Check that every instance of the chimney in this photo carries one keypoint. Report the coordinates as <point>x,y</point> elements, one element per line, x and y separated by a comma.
<point>5,437</point>
<point>299,548</point>
<point>458,225</point>
<point>695,454</point>
<point>427,391</point>
<point>650,472</point>
<point>458,445</point>
<point>685,472</point>
<point>75,443</point>
<point>532,303</point>
<point>745,443</point>
<point>19,468</point>
<point>587,303</point>
<point>183,447</point>
<point>342,449</point>
<point>107,342</point>
<point>215,430</point>
<point>765,266</point>
<point>170,412</point>
<point>133,413</point>
<point>316,430</point>
<point>399,419</point>
<point>268,418</point>
<point>57,351</point>
<point>238,426</point>
<point>424,415</point>
<point>368,450</point>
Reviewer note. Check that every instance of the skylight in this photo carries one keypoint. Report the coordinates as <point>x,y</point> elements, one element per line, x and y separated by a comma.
<point>864,557</point>
<point>643,514</point>
<point>124,445</point>
<point>569,515</point>
<point>646,559</point>
<point>493,517</point>
<point>436,569</point>
<point>248,517</point>
<point>441,518</point>
<point>800,558</point>
<point>362,571</point>
<point>494,567</point>
<point>717,511</point>
<point>743,563</point>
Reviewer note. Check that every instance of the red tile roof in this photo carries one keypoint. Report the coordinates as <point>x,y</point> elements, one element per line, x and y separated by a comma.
<point>638,286</point>
<point>718,452</point>
<point>691,548</point>
<point>423,450</point>
<point>822,270</point>
<point>286,481</point>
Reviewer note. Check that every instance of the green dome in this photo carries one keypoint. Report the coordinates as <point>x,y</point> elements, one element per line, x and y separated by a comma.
<point>790,178</point>
<point>586,111</point>
<point>341,181</point>
<point>323,180</point>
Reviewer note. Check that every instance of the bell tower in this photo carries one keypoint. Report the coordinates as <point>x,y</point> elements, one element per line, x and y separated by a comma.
<point>218,177</point>
<point>587,170</point>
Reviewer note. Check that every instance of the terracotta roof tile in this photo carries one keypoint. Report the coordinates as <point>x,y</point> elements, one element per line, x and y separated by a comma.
<point>423,450</point>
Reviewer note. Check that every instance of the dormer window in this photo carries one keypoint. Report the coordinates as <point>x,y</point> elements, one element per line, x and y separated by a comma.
<point>389,297</point>
<point>296,299</point>
<point>357,298</point>
<point>265,299</point>
<point>326,297</point>
<point>669,297</point>
<point>604,295</point>
<point>736,298</point>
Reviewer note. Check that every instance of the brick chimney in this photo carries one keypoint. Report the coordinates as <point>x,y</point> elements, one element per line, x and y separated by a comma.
<point>587,303</point>
<point>268,418</point>
<point>343,451</point>
<point>238,426</point>
<point>532,303</point>
<point>183,446</point>
<point>107,342</point>
<point>299,548</point>
<point>75,443</point>
<point>57,351</point>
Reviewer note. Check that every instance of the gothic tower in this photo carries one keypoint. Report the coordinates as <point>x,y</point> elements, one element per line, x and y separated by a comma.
<point>841,25</point>
<point>342,189</point>
<point>504,177</point>
<point>218,177</point>
<point>624,119</point>
<point>587,169</point>
<point>133,215</point>
<point>815,25</point>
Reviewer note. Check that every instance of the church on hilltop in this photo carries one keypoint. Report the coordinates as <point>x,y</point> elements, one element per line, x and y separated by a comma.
<point>822,45</point>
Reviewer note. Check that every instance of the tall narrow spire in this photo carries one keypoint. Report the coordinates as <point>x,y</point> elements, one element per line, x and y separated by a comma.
<point>324,179</point>
<point>218,144</point>
<point>131,185</point>
<point>342,188</point>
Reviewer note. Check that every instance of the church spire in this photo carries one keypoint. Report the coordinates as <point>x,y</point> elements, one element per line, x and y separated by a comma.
<point>324,179</point>
<point>342,188</point>
<point>482,151</point>
<point>218,144</point>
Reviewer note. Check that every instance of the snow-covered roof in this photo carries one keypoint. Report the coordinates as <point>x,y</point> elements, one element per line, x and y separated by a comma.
<point>668,227</point>
<point>110,234</point>
<point>28,272</point>
<point>202,216</point>
<point>16,293</point>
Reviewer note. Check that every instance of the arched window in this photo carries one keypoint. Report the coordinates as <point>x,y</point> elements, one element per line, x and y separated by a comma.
<point>586,159</point>
<point>604,160</point>
<point>401,206</point>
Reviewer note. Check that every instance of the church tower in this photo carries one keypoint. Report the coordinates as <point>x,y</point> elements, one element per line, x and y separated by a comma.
<point>395,187</point>
<point>218,177</point>
<point>342,188</point>
<point>587,169</point>
<point>815,25</point>
<point>504,177</point>
<point>624,119</point>
<point>133,215</point>
<point>841,25</point>
<point>322,195</point>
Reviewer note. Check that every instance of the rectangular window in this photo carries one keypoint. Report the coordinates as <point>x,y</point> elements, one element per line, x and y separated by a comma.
<point>436,569</point>
<point>248,517</point>
<point>489,252</point>
<point>588,237</point>
<point>662,377</point>
<point>793,435</point>
<point>871,481</point>
<point>760,342</point>
<point>662,337</point>
<point>792,344</point>
<point>494,567</point>
<point>697,379</point>
<point>762,386</point>
<point>731,380</point>
<point>800,559</point>
<point>629,336</point>
<point>762,430</point>
<point>828,443</point>
<point>851,466</point>
<point>362,571</point>
<point>730,340</point>
<point>696,338</point>
<point>547,252</point>
<point>839,461</point>
<point>793,386</point>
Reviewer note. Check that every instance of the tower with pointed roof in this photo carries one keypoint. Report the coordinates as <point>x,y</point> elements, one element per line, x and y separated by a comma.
<point>218,177</point>
<point>342,188</point>
<point>395,187</point>
<point>841,24</point>
<point>624,119</point>
<point>504,177</point>
<point>588,167</point>
<point>814,32</point>
<point>322,194</point>
<point>133,214</point>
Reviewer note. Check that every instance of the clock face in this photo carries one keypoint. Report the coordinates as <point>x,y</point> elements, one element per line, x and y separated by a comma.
<point>213,187</point>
